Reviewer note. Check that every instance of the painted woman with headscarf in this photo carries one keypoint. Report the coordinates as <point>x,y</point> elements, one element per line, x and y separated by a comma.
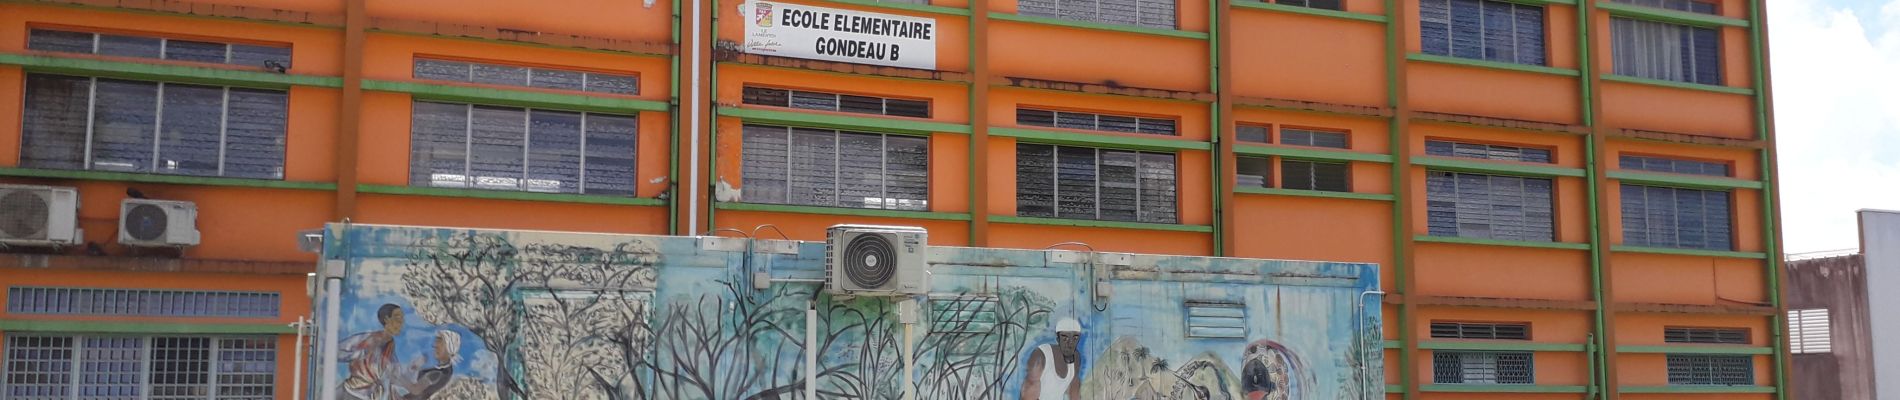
<point>430,380</point>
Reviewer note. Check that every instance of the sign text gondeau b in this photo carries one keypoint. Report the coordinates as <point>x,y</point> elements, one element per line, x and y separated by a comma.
<point>830,34</point>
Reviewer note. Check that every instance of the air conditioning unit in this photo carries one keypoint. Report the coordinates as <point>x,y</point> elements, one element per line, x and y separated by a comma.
<point>870,260</point>
<point>158,223</point>
<point>39,216</point>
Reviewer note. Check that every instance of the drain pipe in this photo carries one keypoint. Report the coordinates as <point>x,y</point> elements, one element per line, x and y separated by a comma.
<point>296,368</point>
<point>1359,341</point>
<point>692,180</point>
<point>811,350</point>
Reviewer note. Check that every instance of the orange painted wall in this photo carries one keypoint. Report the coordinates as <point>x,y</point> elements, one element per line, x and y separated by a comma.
<point>1346,68</point>
<point>1658,278</point>
<point>641,21</point>
<point>1304,228</point>
<point>1445,269</point>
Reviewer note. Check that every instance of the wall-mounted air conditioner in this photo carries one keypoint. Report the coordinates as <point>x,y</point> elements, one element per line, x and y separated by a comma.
<point>158,223</point>
<point>870,260</point>
<point>39,216</point>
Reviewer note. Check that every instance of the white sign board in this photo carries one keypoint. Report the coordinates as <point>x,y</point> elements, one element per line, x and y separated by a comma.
<point>830,34</point>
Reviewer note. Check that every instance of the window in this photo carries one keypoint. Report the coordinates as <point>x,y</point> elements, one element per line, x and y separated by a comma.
<point>1334,5</point>
<point>1483,30</point>
<point>1158,14</point>
<point>1253,172</point>
<point>534,77</point>
<point>1088,183</point>
<point>1480,330</point>
<point>512,148</point>
<point>1705,335</point>
<point>275,57</point>
<point>1489,206</point>
<point>1666,51</point>
<point>142,303</point>
<point>1711,369</point>
<point>1094,122</point>
<point>1676,217</point>
<point>822,101</point>
<point>1314,175</point>
<point>1810,332</point>
<point>828,168</point>
<point>1693,6</point>
<point>1313,138</point>
<point>1482,367</point>
<point>1216,320</point>
<point>1251,133</point>
<point>40,366</point>
<point>1487,151</point>
<point>1673,166</point>
<point>81,123</point>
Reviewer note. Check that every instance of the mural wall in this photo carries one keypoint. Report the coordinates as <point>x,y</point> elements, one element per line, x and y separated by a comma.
<point>432,313</point>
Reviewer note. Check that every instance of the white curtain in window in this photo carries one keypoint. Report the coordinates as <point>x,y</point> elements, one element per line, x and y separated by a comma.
<point>1649,49</point>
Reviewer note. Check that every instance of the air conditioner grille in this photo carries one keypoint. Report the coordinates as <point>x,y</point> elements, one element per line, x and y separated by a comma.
<point>24,214</point>
<point>146,222</point>
<point>870,261</point>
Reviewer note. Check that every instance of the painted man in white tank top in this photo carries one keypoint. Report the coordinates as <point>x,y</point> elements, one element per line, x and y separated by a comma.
<point>1053,368</point>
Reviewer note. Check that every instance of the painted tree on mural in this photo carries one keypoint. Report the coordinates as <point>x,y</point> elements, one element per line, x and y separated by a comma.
<point>481,281</point>
<point>571,337</point>
<point>728,345</point>
<point>976,341</point>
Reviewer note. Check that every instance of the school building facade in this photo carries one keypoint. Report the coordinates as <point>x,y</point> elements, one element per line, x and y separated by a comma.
<point>1566,198</point>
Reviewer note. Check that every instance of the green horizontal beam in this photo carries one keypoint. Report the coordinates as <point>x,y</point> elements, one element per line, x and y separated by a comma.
<point>1689,252</point>
<point>1108,141</point>
<point>1697,389</point>
<point>1502,346</point>
<point>1671,16</point>
<point>1495,167</point>
<point>1305,153</point>
<point>273,328</point>
<point>1497,242</point>
<point>1390,388</point>
<point>165,179</point>
<point>1313,193</point>
<point>508,195</point>
<point>1696,349</point>
<point>519,98</point>
<point>1476,388</point>
<point>860,212</point>
<point>1544,2</point>
<point>1438,59</point>
<point>848,122</point>
<point>1320,12</point>
<point>922,8</point>
<point>1098,26</point>
<point>165,72</point>
<point>1394,344</point>
<point>1678,85</point>
<point>1089,223</point>
<point>1680,180</point>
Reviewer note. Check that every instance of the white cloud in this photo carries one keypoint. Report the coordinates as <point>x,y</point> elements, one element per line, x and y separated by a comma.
<point>1837,111</point>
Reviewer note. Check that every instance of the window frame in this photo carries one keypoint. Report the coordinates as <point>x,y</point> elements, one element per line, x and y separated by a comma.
<point>580,166</point>
<point>164,41</point>
<point>1715,378</point>
<point>929,104</point>
<point>1055,121</point>
<point>1810,331</point>
<point>1056,12</point>
<point>1452,29</point>
<point>1174,212</point>
<point>1673,211</point>
<point>924,204</point>
<point>1720,58</point>
<point>1496,358</point>
<point>157,137</point>
<point>528,77</point>
<point>147,360</point>
<point>1492,326</point>
<point>1552,196</point>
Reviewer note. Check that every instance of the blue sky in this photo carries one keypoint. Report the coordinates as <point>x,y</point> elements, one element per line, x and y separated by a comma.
<point>1836,66</point>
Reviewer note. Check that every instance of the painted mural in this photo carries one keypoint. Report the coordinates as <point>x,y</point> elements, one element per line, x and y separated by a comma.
<point>434,313</point>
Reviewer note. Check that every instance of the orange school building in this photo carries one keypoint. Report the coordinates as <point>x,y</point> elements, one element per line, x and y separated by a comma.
<point>1568,199</point>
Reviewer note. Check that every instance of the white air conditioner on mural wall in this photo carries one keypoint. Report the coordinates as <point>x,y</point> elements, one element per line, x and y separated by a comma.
<point>871,260</point>
<point>39,216</point>
<point>158,223</point>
